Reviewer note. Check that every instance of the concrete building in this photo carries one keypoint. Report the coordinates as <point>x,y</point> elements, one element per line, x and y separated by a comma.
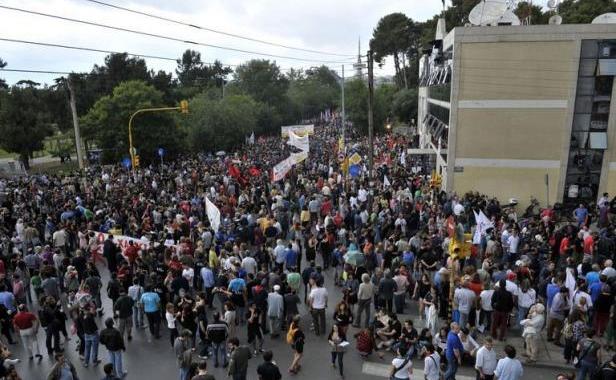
<point>521,111</point>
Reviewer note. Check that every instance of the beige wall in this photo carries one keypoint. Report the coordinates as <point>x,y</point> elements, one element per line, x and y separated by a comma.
<point>506,183</point>
<point>516,70</point>
<point>534,134</point>
<point>611,182</point>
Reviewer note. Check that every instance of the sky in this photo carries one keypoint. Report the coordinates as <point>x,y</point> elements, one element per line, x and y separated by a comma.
<point>331,26</point>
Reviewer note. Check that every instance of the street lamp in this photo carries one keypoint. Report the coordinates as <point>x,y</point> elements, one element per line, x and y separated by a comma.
<point>183,108</point>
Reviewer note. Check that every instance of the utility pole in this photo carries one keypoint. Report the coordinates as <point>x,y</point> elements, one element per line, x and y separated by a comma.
<point>75,122</point>
<point>343,113</point>
<point>370,114</point>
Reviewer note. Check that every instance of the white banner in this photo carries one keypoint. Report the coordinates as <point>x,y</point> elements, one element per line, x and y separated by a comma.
<point>300,130</point>
<point>213,214</point>
<point>122,241</point>
<point>282,168</point>
<point>301,143</point>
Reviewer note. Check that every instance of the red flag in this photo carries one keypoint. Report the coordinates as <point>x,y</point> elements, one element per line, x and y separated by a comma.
<point>234,171</point>
<point>254,171</point>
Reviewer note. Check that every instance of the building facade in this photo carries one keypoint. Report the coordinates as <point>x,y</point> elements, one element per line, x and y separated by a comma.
<point>522,111</point>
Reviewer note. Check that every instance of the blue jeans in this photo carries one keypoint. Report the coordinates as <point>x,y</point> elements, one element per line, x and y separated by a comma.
<point>220,349</point>
<point>586,368</point>
<point>91,348</point>
<point>452,368</point>
<point>137,317</point>
<point>184,373</point>
<point>115,358</point>
<point>522,311</point>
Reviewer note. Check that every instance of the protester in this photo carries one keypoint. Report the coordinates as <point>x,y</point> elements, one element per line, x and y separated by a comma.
<point>509,368</point>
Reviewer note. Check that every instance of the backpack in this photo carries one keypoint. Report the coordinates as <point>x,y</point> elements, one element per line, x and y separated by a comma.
<point>568,330</point>
<point>291,334</point>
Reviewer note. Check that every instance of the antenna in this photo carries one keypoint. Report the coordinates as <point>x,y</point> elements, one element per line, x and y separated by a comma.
<point>487,12</point>
<point>606,18</point>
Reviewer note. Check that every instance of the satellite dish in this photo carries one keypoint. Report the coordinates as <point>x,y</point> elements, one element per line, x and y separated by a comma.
<point>552,4</point>
<point>606,18</point>
<point>487,12</point>
<point>508,18</point>
<point>555,20</point>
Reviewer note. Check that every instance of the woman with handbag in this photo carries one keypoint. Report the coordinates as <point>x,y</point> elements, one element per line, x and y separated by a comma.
<point>337,341</point>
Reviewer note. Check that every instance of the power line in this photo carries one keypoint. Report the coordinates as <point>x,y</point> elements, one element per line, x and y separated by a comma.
<point>215,30</point>
<point>41,71</point>
<point>160,36</point>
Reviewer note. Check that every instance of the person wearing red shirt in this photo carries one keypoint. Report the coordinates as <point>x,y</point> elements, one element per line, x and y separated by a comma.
<point>27,324</point>
<point>131,253</point>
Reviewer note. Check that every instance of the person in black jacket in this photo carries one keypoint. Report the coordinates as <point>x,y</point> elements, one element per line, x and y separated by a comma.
<point>52,320</point>
<point>502,304</point>
<point>113,340</point>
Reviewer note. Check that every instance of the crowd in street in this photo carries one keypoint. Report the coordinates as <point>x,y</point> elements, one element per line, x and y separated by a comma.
<point>389,241</point>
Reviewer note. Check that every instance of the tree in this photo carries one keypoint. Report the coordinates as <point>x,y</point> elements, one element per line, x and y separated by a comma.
<point>526,9</point>
<point>220,124</point>
<point>263,81</point>
<point>392,37</point>
<point>192,72</point>
<point>584,11</point>
<point>24,121</point>
<point>314,92</point>
<point>404,105</point>
<point>356,104</point>
<point>3,84</point>
<point>107,122</point>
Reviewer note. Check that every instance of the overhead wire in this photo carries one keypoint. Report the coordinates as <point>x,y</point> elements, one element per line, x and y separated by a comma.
<point>160,36</point>
<point>215,30</point>
<point>96,50</point>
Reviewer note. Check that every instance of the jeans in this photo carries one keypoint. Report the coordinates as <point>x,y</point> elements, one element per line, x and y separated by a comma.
<point>586,368</point>
<point>463,319</point>
<point>220,350</point>
<point>137,317</point>
<point>154,322</point>
<point>399,302</point>
<point>241,375</point>
<point>184,373</point>
<point>52,333</point>
<point>522,311</point>
<point>452,368</point>
<point>318,318</point>
<point>274,325</point>
<point>364,305</point>
<point>340,356</point>
<point>115,358</point>
<point>91,348</point>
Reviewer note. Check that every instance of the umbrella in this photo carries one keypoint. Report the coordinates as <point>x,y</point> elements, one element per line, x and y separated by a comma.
<point>221,153</point>
<point>354,258</point>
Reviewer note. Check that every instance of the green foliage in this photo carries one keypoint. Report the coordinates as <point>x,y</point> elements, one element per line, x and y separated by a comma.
<point>192,72</point>
<point>107,123</point>
<point>220,124</point>
<point>404,105</point>
<point>3,84</point>
<point>356,104</point>
<point>314,92</point>
<point>24,121</point>
<point>537,16</point>
<point>263,81</point>
<point>584,11</point>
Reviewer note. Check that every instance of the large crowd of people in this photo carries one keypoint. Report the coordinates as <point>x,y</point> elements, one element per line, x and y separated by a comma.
<point>145,239</point>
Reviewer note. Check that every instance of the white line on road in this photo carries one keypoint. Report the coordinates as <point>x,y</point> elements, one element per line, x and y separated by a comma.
<point>382,370</point>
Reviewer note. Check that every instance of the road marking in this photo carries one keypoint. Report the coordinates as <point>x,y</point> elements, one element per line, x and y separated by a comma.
<point>382,370</point>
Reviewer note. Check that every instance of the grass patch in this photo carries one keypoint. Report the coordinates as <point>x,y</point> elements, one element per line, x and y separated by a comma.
<point>55,167</point>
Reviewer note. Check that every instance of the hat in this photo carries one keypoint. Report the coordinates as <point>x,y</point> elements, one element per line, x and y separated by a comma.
<point>276,288</point>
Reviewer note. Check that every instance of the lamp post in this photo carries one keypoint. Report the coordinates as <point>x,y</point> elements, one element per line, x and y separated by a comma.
<point>131,149</point>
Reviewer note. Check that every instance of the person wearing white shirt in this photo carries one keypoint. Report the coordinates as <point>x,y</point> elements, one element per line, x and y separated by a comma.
<point>468,343</point>
<point>578,294</point>
<point>532,328</point>
<point>486,308</point>
<point>609,271</point>
<point>432,363</point>
<point>318,303</point>
<point>485,363</point>
<point>249,264</point>
<point>509,368</point>
<point>527,297</point>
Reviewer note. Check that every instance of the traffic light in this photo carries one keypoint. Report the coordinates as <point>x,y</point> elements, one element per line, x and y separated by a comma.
<point>184,106</point>
<point>136,161</point>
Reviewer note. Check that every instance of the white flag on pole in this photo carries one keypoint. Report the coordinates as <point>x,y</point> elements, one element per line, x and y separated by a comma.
<point>251,140</point>
<point>483,224</point>
<point>213,214</point>
<point>386,182</point>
